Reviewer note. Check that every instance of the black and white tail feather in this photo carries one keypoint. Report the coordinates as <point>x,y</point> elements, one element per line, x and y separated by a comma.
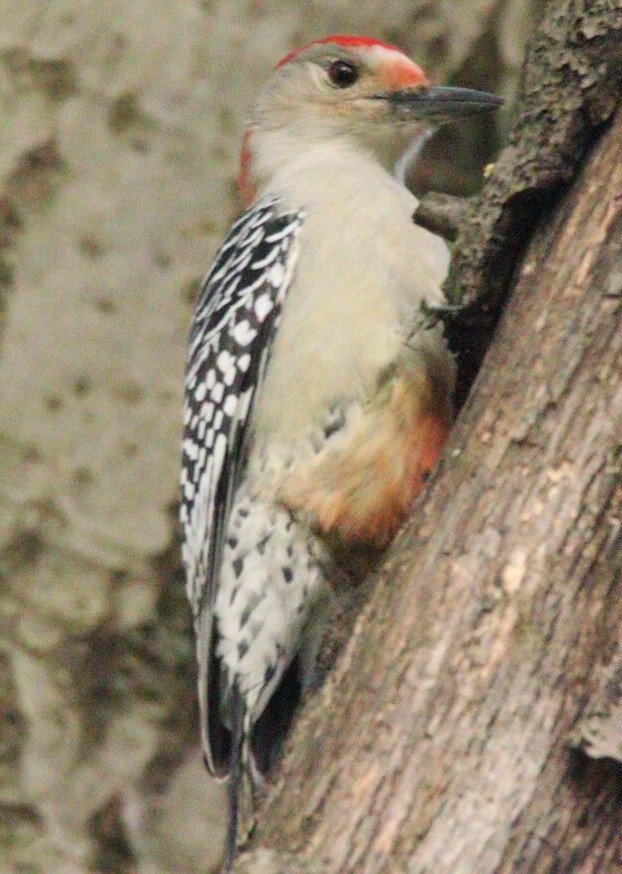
<point>236,320</point>
<point>239,750</point>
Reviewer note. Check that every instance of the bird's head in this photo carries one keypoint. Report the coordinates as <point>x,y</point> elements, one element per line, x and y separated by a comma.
<point>354,89</point>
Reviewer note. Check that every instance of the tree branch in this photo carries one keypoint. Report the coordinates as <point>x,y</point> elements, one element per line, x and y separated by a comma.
<point>571,87</point>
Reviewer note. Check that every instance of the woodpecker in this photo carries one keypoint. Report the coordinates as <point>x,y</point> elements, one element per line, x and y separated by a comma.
<point>316,397</point>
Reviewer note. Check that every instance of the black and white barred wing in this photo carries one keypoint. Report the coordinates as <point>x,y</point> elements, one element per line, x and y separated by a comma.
<point>237,315</point>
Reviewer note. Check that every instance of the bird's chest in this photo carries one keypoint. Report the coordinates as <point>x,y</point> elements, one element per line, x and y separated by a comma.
<point>353,298</point>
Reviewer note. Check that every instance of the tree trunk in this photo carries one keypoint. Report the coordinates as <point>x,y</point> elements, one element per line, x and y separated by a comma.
<point>457,730</point>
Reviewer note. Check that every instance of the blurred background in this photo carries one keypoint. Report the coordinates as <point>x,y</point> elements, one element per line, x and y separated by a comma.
<point>120,125</point>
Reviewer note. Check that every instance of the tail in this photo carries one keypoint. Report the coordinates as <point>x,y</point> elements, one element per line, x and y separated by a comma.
<point>238,776</point>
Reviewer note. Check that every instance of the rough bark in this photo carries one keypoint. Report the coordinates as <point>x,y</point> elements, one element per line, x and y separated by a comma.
<point>570,86</point>
<point>473,722</point>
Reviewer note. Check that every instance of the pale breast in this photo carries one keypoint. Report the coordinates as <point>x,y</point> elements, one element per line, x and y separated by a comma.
<point>363,270</point>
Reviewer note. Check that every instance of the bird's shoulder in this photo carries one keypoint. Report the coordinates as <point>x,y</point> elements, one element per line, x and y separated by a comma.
<point>247,260</point>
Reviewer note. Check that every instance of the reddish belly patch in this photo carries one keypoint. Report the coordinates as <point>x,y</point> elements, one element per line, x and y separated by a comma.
<point>362,488</point>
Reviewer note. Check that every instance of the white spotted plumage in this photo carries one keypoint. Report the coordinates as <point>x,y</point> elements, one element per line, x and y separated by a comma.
<point>237,314</point>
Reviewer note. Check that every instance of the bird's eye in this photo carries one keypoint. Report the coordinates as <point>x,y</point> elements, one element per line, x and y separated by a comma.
<point>342,74</point>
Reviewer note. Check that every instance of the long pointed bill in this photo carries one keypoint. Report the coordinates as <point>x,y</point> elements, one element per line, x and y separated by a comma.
<point>440,104</point>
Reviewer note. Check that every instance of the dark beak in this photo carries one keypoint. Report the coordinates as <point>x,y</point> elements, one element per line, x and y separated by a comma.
<point>439,105</point>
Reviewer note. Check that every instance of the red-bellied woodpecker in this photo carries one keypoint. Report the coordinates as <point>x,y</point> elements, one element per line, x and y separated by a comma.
<point>315,399</point>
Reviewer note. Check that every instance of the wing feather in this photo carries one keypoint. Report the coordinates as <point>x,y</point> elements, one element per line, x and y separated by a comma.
<point>237,315</point>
